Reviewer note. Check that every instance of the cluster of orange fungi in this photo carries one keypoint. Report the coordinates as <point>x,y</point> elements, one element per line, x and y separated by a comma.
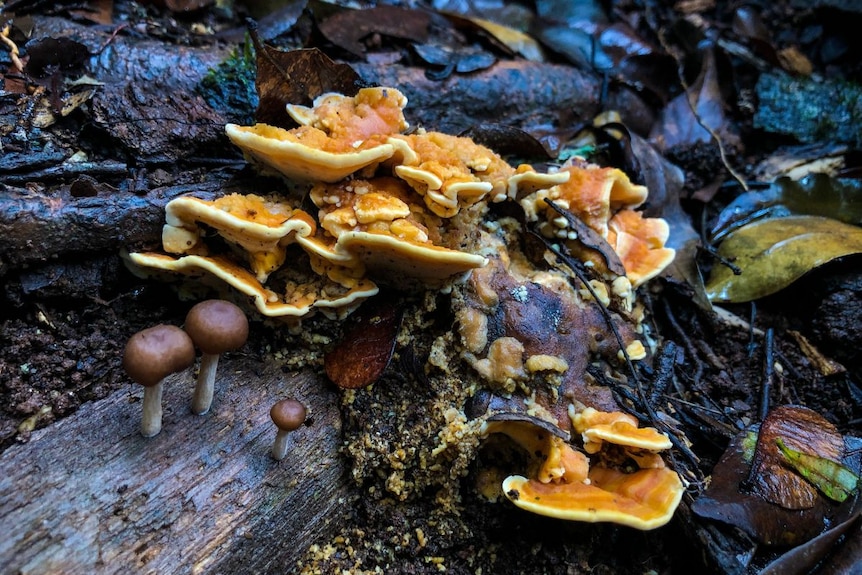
<point>389,205</point>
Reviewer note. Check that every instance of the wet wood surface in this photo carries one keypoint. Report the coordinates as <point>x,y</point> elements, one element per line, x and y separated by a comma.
<point>90,495</point>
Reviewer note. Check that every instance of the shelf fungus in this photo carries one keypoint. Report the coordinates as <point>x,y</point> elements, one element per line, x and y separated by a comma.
<point>565,483</point>
<point>450,172</point>
<point>402,209</point>
<point>382,225</point>
<point>605,200</point>
<point>336,138</point>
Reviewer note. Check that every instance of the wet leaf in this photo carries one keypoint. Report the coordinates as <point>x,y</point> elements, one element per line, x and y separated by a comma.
<point>347,28</point>
<point>766,522</point>
<point>814,194</point>
<point>665,182</point>
<point>515,40</point>
<point>49,55</point>
<point>185,5</point>
<point>775,252</point>
<point>508,141</point>
<point>799,428</point>
<point>832,479</point>
<point>683,119</point>
<point>767,500</point>
<point>803,559</point>
<point>364,352</point>
<point>461,59</point>
<point>297,77</point>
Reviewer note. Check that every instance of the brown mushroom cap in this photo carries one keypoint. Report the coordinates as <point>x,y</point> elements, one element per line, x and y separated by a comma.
<point>288,414</point>
<point>217,326</point>
<point>156,352</point>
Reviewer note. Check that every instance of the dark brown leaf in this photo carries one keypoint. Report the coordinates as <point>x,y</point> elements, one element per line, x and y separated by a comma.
<point>364,352</point>
<point>347,28</point>
<point>800,429</point>
<point>685,119</point>
<point>591,241</point>
<point>297,77</point>
<point>725,499</point>
<point>49,55</point>
<point>509,141</point>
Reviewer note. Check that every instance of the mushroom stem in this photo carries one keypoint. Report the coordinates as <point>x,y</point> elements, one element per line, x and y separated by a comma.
<point>203,396</point>
<point>279,448</point>
<point>151,419</point>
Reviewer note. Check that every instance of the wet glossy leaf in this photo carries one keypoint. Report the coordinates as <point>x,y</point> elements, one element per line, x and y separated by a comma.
<point>799,428</point>
<point>775,252</point>
<point>364,352</point>
<point>814,194</point>
<point>665,182</point>
<point>49,55</point>
<point>508,141</point>
<point>461,59</point>
<point>833,479</point>
<point>767,500</point>
<point>517,41</point>
<point>770,524</point>
<point>347,28</point>
<point>683,119</point>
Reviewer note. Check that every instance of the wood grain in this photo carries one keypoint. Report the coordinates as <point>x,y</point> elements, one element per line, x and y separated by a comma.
<point>90,495</point>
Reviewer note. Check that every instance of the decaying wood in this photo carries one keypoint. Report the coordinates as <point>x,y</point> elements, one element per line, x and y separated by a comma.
<point>517,93</point>
<point>37,227</point>
<point>89,495</point>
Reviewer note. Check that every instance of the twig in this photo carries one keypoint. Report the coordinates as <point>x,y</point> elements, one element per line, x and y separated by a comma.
<point>689,346</point>
<point>664,373</point>
<point>768,374</point>
<point>562,253</point>
<point>752,345</point>
<point>710,249</point>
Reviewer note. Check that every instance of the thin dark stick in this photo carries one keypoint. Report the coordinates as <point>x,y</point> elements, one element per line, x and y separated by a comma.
<point>664,373</point>
<point>752,345</point>
<point>768,374</point>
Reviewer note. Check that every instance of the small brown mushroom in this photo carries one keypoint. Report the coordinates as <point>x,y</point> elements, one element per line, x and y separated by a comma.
<point>150,356</point>
<point>287,415</point>
<point>215,326</point>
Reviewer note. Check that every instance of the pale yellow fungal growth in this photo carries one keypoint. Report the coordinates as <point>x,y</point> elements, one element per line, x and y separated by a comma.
<point>542,362</point>
<point>386,212</point>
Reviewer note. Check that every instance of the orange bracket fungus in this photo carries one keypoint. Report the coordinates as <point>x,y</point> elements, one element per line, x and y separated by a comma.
<point>150,356</point>
<point>287,415</point>
<point>338,137</point>
<point>566,484</point>
<point>368,206</point>
<point>390,208</point>
<point>215,326</point>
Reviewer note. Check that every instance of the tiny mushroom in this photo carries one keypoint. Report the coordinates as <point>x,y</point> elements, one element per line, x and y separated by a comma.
<point>287,415</point>
<point>215,326</point>
<point>150,356</point>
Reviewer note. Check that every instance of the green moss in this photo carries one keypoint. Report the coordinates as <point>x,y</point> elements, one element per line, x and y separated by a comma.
<point>230,86</point>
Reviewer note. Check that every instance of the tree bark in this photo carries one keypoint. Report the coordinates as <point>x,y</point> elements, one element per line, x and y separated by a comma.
<point>89,495</point>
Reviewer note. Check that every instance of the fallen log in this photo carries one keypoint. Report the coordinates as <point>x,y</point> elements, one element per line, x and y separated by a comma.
<point>41,226</point>
<point>90,495</point>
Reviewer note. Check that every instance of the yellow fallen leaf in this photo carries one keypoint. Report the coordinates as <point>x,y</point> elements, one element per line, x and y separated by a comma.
<point>515,40</point>
<point>775,252</point>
